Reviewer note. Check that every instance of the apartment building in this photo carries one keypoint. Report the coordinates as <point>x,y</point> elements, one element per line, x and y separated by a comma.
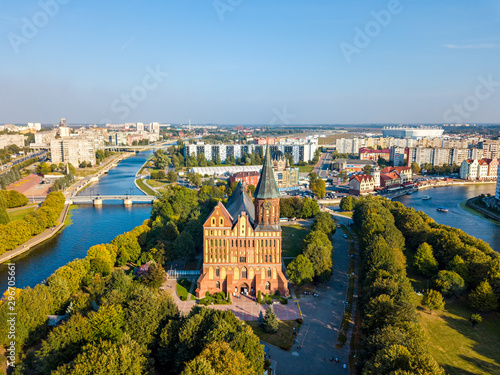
<point>479,169</point>
<point>11,139</point>
<point>361,184</point>
<point>301,150</point>
<point>397,155</point>
<point>72,150</point>
<point>369,154</point>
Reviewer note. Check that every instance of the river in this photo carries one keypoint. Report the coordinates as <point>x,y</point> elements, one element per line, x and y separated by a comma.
<point>451,197</point>
<point>90,226</point>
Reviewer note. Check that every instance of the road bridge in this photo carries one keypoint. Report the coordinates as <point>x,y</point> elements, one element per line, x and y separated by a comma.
<point>97,200</point>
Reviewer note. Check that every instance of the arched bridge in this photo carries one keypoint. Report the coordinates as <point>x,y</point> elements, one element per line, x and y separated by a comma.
<point>97,200</point>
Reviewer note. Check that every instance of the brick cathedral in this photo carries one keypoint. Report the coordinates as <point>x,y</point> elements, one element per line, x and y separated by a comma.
<point>242,242</point>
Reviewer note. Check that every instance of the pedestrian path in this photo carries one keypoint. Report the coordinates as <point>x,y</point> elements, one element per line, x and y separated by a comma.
<point>243,308</point>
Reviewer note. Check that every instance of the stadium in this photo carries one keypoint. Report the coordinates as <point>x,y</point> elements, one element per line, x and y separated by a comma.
<point>412,132</point>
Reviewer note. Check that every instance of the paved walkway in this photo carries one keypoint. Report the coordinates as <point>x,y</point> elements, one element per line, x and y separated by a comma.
<point>322,318</point>
<point>45,235</point>
<point>243,308</point>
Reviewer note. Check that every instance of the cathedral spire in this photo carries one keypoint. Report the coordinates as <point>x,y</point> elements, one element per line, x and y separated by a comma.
<point>267,187</point>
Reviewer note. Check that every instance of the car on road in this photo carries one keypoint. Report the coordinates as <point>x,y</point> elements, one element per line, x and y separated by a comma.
<point>345,235</point>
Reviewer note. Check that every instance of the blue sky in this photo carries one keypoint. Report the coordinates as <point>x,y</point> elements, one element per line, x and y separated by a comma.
<point>250,62</point>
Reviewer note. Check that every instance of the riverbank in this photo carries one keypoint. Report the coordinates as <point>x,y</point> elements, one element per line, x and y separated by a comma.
<point>471,203</point>
<point>139,182</point>
<point>45,235</point>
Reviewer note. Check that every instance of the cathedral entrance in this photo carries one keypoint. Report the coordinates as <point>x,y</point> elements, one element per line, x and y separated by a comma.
<point>244,289</point>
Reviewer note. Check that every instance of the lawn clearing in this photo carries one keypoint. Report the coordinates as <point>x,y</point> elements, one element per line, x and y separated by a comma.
<point>345,213</point>
<point>283,339</point>
<point>19,214</point>
<point>306,168</point>
<point>293,239</point>
<point>156,183</point>
<point>146,188</point>
<point>182,288</point>
<point>458,347</point>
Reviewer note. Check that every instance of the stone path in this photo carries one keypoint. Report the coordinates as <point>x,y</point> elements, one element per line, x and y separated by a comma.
<point>243,308</point>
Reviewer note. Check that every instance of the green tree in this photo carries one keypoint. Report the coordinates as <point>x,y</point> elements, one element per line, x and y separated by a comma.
<point>433,300</point>
<point>271,323</point>
<point>475,319</point>
<point>155,277</point>
<point>184,246</point>
<point>318,248</point>
<point>300,270</point>
<point>260,319</point>
<point>415,168</point>
<point>310,208</point>
<point>251,189</point>
<point>313,176</point>
<point>449,283</point>
<point>483,298</point>
<point>171,176</point>
<point>128,248</point>
<point>161,159</point>
<point>347,203</point>
<point>324,223</point>
<point>319,188</point>
<point>367,169</point>
<point>424,260</point>
<point>4,216</point>
<point>219,359</point>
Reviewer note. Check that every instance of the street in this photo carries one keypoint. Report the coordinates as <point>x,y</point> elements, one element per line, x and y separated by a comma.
<point>322,318</point>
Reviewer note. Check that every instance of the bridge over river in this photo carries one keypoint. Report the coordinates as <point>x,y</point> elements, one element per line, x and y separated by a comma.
<point>97,200</point>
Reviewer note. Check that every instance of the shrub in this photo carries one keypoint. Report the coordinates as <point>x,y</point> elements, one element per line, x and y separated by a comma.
<point>283,301</point>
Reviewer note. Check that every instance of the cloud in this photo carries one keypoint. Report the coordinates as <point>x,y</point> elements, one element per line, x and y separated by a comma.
<point>472,46</point>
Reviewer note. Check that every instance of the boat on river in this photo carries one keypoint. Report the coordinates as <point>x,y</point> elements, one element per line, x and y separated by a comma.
<point>426,197</point>
<point>442,209</point>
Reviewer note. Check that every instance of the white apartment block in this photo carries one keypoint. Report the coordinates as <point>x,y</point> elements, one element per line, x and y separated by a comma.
<point>397,155</point>
<point>11,139</point>
<point>301,150</point>
<point>349,145</point>
<point>479,169</point>
<point>73,150</point>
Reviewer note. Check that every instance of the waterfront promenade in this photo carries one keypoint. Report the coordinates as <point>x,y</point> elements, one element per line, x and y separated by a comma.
<point>45,235</point>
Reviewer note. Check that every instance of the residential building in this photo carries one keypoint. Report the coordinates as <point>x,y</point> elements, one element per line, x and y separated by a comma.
<point>389,179</point>
<point>361,184</point>
<point>349,145</point>
<point>284,175</point>
<point>479,169</point>
<point>64,131</point>
<point>397,155</point>
<point>11,139</point>
<point>73,150</point>
<point>300,149</point>
<point>242,242</point>
<point>369,154</point>
<point>405,173</point>
<point>246,178</point>
<point>352,165</point>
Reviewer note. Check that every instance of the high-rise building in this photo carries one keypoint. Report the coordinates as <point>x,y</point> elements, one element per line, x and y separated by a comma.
<point>72,150</point>
<point>140,127</point>
<point>242,242</point>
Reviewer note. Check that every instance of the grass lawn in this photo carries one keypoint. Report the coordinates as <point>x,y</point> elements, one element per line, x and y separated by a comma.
<point>345,213</point>
<point>306,168</point>
<point>84,172</point>
<point>145,187</point>
<point>69,220</point>
<point>282,339</point>
<point>156,183</point>
<point>182,288</point>
<point>458,347</point>
<point>19,214</point>
<point>293,238</point>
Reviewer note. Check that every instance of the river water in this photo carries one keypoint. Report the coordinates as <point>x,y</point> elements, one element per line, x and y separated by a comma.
<point>451,197</point>
<point>91,226</point>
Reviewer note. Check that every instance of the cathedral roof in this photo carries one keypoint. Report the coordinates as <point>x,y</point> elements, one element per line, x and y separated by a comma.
<point>267,188</point>
<point>240,201</point>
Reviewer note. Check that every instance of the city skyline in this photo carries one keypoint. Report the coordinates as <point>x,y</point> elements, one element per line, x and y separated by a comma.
<point>286,63</point>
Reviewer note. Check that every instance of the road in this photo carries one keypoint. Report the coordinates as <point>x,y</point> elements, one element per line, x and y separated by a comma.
<point>322,319</point>
<point>323,166</point>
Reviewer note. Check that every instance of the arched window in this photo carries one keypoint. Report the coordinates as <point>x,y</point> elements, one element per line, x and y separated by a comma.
<point>221,221</point>
<point>266,243</point>
<point>220,242</point>
<point>211,242</point>
<point>211,232</point>
<point>268,273</point>
<point>224,242</point>
<point>268,285</point>
<point>232,242</point>
<point>270,258</point>
<point>217,284</point>
<point>241,243</point>
<point>217,271</point>
<point>274,242</point>
<point>244,273</point>
<point>266,257</point>
<point>253,243</point>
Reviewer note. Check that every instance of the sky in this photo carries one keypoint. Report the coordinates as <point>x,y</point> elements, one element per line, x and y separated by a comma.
<point>280,62</point>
